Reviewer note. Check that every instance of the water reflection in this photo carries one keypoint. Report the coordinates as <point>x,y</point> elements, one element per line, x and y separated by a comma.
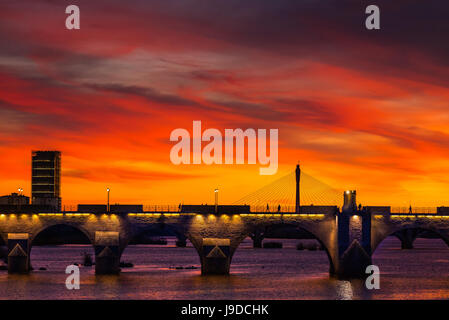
<point>256,274</point>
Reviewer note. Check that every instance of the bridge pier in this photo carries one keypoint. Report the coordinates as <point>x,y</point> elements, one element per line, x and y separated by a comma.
<point>18,253</point>
<point>407,237</point>
<point>257,236</point>
<point>181,241</point>
<point>107,253</point>
<point>354,244</point>
<point>215,256</point>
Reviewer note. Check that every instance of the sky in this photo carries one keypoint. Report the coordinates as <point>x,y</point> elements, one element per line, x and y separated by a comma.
<point>360,109</point>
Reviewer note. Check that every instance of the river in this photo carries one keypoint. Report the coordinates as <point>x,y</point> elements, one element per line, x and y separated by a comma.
<point>421,273</point>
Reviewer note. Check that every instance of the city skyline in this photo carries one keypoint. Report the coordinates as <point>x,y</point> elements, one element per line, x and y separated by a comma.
<point>373,119</point>
<point>279,195</point>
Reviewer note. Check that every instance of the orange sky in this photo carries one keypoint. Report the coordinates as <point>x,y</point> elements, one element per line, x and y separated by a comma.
<point>361,110</point>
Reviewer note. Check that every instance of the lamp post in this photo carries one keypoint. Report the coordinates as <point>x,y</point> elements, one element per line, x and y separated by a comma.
<point>216,200</point>
<point>108,190</point>
<point>19,190</point>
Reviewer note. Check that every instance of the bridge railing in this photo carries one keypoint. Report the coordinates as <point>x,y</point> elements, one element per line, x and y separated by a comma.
<point>146,208</point>
<point>265,208</point>
<point>414,210</point>
<point>69,208</point>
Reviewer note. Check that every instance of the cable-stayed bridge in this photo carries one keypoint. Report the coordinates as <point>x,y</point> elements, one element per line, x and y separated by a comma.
<point>280,195</point>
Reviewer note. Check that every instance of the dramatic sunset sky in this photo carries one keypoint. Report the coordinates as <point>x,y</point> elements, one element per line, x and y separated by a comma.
<point>366,110</point>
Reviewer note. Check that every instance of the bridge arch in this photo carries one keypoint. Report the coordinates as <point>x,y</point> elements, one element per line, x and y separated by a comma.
<point>75,228</point>
<point>158,229</point>
<point>46,227</point>
<point>442,234</point>
<point>298,227</point>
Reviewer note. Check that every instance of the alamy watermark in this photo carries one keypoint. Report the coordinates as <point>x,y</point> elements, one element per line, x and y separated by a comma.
<point>373,280</point>
<point>212,153</point>
<point>73,280</point>
<point>372,22</point>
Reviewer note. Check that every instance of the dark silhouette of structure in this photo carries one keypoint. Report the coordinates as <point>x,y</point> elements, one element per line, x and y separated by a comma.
<point>14,199</point>
<point>349,203</point>
<point>215,209</point>
<point>298,180</point>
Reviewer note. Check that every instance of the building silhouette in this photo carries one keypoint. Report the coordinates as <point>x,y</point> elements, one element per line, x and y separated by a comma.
<point>14,199</point>
<point>46,178</point>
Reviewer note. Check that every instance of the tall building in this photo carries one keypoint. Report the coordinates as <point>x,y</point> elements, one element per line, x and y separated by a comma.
<point>46,178</point>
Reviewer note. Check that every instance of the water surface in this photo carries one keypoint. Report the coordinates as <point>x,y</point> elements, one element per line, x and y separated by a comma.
<point>421,273</point>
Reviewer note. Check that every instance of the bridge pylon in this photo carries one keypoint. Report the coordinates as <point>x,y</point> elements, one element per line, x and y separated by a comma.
<point>298,184</point>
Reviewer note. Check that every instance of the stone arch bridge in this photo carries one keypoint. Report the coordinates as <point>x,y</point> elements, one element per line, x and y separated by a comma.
<point>348,237</point>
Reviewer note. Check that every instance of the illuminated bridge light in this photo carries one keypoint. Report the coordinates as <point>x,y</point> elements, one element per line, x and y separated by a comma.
<point>147,214</point>
<point>315,215</point>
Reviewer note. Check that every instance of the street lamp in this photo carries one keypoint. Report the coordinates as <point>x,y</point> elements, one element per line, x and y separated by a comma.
<point>108,190</point>
<point>216,200</point>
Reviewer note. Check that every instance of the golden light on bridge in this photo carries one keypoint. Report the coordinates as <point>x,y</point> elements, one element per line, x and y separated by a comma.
<point>153,214</point>
<point>63,214</point>
<point>304,215</point>
<point>411,216</point>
